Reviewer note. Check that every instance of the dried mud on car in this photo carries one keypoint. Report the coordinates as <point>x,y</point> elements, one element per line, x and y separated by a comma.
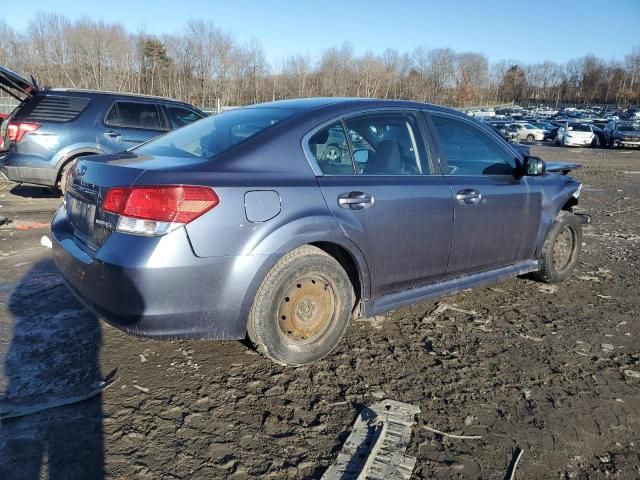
<point>551,370</point>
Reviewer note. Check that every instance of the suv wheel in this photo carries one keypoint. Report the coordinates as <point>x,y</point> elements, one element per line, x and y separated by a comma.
<point>302,308</point>
<point>561,249</point>
<point>62,183</point>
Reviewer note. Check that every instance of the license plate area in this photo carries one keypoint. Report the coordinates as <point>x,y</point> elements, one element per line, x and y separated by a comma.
<point>81,215</point>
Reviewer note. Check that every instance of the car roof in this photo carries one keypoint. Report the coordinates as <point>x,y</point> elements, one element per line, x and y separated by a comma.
<point>100,93</point>
<point>341,103</point>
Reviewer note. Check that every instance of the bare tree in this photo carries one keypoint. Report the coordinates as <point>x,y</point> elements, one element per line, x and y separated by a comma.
<point>206,65</point>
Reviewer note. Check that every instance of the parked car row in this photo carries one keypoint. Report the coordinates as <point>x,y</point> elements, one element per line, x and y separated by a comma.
<point>570,133</point>
<point>52,127</point>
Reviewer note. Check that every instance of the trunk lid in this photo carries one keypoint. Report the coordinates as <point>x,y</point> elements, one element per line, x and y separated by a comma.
<point>87,185</point>
<point>16,85</point>
<point>19,88</point>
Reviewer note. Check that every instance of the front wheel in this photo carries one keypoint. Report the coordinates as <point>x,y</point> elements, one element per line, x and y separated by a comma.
<point>530,138</point>
<point>302,308</point>
<point>561,249</point>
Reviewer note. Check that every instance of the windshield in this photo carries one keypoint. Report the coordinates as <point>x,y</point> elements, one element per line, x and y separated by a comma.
<point>629,127</point>
<point>210,136</point>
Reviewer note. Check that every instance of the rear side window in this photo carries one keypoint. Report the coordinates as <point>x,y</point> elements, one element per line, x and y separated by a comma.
<point>330,148</point>
<point>180,116</point>
<point>372,144</point>
<point>50,108</point>
<point>134,115</point>
<point>470,151</point>
<point>215,134</point>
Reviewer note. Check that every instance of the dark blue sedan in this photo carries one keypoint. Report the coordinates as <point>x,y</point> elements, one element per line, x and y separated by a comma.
<point>284,220</point>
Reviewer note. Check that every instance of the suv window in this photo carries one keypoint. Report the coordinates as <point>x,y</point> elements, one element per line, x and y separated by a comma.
<point>469,151</point>
<point>134,115</point>
<point>180,116</point>
<point>52,108</point>
<point>373,144</point>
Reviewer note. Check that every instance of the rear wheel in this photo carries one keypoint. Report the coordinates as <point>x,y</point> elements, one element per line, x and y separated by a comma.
<point>302,307</point>
<point>62,182</point>
<point>530,138</point>
<point>561,249</point>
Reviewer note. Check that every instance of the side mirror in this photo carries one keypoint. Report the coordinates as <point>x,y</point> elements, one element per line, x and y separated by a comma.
<point>534,166</point>
<point>362,156</point>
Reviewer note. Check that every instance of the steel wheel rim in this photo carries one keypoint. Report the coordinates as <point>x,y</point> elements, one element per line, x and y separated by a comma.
<point>564,248</point>
<point>307,308</point>
<point>332,154</point>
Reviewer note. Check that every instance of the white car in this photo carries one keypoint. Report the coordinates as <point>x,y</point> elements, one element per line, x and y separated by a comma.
<point>575,135</point>
<point>528,132</point>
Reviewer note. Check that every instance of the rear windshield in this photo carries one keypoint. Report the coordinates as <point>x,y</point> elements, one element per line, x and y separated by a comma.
<point>51,108</point>
<point>210,136</point>
<point>579,128</point>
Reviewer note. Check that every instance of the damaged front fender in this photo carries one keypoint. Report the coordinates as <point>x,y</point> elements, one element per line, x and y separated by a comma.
<point>558,192</point>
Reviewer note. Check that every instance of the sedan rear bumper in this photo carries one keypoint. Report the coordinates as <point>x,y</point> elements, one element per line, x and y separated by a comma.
<point>577,142</point>
<point>156,286</point>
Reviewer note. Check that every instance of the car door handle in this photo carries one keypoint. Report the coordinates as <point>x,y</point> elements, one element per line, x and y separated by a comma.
<point>468,196</point>
<point>112,134</point>
<point>355,200</point>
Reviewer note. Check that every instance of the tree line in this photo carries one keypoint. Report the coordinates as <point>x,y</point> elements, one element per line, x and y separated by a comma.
<point>204,65</point>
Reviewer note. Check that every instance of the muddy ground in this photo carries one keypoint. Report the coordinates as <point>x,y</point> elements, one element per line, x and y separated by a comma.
<point>549,370</point>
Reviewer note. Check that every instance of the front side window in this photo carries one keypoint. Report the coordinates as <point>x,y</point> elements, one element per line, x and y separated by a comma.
<point>215,134</point>
<point>470,151</point>
<point>134,115</point>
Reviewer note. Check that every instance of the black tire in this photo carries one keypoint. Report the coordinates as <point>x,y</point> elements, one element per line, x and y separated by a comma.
<point>561,249</point>
<point>62,181</point>
<point>530,138</point>
<point>305,282</point>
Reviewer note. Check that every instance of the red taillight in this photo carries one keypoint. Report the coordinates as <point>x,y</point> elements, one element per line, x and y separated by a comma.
<point>17,130</point>
<point>176,204</point>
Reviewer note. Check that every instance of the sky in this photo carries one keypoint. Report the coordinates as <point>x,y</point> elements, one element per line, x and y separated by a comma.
<point>524,30</point>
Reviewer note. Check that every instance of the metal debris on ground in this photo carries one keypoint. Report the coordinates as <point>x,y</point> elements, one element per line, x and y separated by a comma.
<point>451,435</point>
<point>375,448</point>
<point>516,459</point>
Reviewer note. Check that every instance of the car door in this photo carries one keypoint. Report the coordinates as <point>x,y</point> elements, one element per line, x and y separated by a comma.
<point>387,195</point>
<point>496,213</point>
<point>129,123</point>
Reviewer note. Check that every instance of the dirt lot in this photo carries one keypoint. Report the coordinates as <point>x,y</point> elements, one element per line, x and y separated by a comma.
<point>552,370</point>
